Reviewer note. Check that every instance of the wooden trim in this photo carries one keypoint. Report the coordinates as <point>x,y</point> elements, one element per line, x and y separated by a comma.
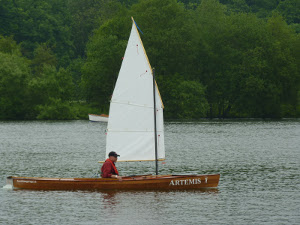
<point>102,115</point>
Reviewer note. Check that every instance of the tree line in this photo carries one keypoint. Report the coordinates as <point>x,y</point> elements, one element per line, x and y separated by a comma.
<point>226,58</point>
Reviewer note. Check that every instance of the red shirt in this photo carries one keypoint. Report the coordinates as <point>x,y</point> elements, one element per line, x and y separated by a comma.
<point>107,170</point>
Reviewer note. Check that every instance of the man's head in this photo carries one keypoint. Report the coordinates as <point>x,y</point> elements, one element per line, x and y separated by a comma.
<point>113,156</point>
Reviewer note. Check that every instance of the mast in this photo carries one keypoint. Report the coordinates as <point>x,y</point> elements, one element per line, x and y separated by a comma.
<point>155,130</point>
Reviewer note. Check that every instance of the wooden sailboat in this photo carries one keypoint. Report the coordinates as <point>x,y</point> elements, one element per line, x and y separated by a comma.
<point>147,182</point>
<point>135,131</point>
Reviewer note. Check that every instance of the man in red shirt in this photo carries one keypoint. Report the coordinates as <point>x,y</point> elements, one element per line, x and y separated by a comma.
<point>108,169</point>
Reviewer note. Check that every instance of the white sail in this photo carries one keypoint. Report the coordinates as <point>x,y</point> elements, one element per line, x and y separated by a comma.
<point>130,130</point>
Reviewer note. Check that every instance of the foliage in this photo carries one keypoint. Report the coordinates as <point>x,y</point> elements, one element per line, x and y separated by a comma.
<point>33,22</point>
<point>289,9</point>
<point>9,45</point>
<point>51,84</point>
<point>213,58</point>
<point>182,96</point>
<point>56,109</point>
<point>14,73</point>
<point>105,51</point>
<point>88,15</point>
<point>42,55</point>
<point>191,95</point>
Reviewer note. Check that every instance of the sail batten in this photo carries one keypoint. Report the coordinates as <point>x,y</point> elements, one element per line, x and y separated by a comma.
<point>110,130</point>
<point>130,129</point>
<point>133,104</point>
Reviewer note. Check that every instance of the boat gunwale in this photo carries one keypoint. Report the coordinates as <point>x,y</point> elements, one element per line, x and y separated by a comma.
<point>125,178</point>
<point>100,115</point>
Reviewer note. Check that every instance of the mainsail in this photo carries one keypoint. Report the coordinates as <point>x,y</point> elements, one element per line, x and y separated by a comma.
<point>130,130</point>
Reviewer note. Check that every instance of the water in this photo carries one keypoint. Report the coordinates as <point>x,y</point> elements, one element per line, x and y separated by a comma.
<point>259,163</point>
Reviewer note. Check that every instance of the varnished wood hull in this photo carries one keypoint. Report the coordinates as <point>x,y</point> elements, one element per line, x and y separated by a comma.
<point>150,182</point>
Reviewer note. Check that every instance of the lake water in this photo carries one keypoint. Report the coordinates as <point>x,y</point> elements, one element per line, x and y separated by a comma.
<point>259,163</point>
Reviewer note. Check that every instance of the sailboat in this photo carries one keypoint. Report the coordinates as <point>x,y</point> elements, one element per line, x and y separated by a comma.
<point>98,118</point>
<point>135,131</point>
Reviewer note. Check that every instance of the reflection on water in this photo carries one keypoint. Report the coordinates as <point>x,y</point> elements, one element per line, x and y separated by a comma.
<point>258,162</point>
<point>110,201</point>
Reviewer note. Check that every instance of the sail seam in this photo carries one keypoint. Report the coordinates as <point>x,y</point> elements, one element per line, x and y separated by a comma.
<point>108,130</point>
<point>133,104</point>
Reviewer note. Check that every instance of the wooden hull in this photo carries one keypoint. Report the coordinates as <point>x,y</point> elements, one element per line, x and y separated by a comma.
<point>147,182</point>
<point>98,118</point>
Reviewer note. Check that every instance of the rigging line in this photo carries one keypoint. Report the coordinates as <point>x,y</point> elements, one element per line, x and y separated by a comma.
<point>138,28</point>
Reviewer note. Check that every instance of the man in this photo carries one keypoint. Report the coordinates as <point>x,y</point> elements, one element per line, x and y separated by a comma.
<point>108,169</point>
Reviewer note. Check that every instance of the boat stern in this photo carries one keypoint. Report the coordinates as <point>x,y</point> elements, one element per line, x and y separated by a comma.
<point>9,183</point>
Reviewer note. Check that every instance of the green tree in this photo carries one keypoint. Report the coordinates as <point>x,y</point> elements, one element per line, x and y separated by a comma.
<point>262,8</point>
<point>56,109</point>
<point>290,10</point>
<point>167,30</point>
<point>184,99</point>
<point>267,76</point>
<point>284,60</point>
<point>213,54</point>
<point>42,56</point>
<point>51,84</point>
<point>14,73</point>
<point>33,22</point>
<point>9,45</point>
<point>236,5</point>
<point>239,51</point>
<point>104,57</point>
<point>88,15</point>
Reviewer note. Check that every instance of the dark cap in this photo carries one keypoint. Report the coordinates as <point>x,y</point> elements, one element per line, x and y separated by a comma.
<point>113,154</point>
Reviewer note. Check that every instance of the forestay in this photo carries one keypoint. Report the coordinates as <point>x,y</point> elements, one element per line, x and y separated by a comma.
<point>130,130</point>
